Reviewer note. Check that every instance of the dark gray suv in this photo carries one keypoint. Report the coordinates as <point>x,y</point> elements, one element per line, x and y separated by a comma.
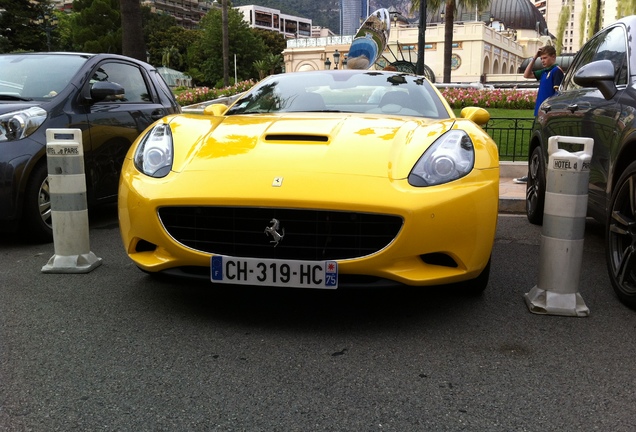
<point>110,98</point>
<point>597,99</point>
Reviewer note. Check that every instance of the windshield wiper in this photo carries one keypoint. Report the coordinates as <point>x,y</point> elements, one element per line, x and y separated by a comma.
<point>13,97</point>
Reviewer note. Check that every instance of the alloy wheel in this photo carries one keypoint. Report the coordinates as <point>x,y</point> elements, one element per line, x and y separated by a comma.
<point>621,238</point>
<point>44,203</point>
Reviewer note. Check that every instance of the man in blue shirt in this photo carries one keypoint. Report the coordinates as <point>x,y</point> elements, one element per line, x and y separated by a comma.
<point>549,78</point>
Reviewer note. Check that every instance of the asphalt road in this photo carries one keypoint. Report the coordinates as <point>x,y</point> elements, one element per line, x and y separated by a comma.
<point>118,350</point>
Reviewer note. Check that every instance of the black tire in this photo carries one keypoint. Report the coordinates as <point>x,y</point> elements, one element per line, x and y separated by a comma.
<point>36,217</point>
<point>535,187</point>
<point>620,238</point>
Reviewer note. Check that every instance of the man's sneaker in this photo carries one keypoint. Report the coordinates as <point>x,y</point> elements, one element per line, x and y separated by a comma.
<point>521,180</point>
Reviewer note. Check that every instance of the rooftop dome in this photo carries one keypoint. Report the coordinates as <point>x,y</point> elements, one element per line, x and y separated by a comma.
<point>515,14</point>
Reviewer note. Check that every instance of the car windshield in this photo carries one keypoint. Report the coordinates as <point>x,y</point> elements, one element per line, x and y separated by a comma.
<point>36,76</point>
<point>345,91</point>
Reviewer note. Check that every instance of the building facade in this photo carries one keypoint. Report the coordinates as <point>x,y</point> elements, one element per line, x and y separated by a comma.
<point>188,13</point>
<point>352,14</point>
<point>489,46</point>
<point>481,53</point>
<point>579,24</point>
<point>272,19</point>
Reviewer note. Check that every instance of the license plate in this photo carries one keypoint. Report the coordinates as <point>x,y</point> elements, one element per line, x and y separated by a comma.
<point>269,272</point>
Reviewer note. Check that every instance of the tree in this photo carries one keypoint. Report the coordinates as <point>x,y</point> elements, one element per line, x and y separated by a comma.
<point>564,17</point>
<point>19,26</point>
<point>274,41</point>
<point>261,67</point>
<point>161,33</point>
<point>270,65</point>
<point>171,56</point>
<point>449,9</point>
<point>133,44</point>
<point>595,17</point>
<point>582,19</point>
<point>626,7</point>
<point>208,49</point>
<point>96,26</point>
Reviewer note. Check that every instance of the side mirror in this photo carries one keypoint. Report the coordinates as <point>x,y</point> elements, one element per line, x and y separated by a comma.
<point>600,74</point>
<point>476,115</point>
<point>100,90</point>
<point>215,109</point>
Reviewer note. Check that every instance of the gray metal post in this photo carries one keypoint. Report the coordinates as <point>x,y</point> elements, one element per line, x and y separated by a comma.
<point>563,231</point>
<point>69,213</point>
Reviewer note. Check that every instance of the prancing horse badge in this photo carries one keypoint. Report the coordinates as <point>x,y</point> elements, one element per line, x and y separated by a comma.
<point>278,182</point>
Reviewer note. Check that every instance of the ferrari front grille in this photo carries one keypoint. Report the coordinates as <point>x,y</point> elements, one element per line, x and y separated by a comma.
<point>301,234</point>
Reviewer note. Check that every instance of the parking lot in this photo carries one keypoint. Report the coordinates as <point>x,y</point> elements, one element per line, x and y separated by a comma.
<point>116,349</point>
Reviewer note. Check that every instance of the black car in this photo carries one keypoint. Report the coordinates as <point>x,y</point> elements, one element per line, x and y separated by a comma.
<point>597,99</point>
<point>110,98</point>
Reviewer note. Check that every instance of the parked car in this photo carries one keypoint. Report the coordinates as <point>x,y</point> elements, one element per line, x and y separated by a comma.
<point>597,99</point>
<point>111,98</point>
<point>308,180</point>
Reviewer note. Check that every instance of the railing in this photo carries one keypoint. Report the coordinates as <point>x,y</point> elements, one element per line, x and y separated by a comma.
<point>512,136</point>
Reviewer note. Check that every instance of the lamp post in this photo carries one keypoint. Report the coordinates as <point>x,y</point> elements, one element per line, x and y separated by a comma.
<point>344,62</point>
<point>226,44</point>
<point>50,23</point>
<point>336,58</point>
<point>327,64</point>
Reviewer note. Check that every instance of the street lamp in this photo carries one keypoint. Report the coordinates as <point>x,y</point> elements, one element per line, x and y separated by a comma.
<point>327,64</point>
<point>344,62</point>
<point>336,58</point>
<point>50,23</point>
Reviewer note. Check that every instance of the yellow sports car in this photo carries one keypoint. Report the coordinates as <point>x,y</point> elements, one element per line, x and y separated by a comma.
<point>320,179</point>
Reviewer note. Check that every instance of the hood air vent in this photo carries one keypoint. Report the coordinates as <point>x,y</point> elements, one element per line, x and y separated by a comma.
<point>296,137</point>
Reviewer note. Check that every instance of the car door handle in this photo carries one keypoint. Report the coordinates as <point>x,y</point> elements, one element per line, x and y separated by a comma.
<point>573,107</point>
<point>157,114</point>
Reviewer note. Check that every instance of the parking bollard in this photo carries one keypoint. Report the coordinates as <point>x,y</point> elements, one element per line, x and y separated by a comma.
<point>563,231</point>
<point>69,213</point>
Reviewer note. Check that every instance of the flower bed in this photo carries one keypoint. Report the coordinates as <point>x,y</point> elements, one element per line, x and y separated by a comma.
<point>203,94</point>
<point>456,97</point>
<point>497,98</point>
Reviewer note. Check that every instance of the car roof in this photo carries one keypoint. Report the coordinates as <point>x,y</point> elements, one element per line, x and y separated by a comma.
<point>95,56</point>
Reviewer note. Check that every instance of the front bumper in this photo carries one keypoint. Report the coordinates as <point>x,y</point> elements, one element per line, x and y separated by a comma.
<point>446,237</point>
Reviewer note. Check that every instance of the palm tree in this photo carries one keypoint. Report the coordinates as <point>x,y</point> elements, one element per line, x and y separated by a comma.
<point>171,56</point>
<point>450,7</point>
<point>262,67</point>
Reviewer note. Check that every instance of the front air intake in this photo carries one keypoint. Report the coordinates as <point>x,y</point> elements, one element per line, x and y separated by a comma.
<point>307,234</point>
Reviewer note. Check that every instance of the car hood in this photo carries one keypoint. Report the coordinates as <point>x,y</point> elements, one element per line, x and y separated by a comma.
<point>318,143</point>
<point>10,106</point>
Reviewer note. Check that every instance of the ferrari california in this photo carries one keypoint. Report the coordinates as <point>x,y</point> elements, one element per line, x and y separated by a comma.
<point>319,179</point>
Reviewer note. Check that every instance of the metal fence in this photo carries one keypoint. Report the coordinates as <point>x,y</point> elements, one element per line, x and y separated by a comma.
<point>512,136</point>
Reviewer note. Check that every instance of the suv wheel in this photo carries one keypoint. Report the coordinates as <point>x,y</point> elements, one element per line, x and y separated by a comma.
<point>37,224</point>
<point>620,238</point>
<point>535,187</point>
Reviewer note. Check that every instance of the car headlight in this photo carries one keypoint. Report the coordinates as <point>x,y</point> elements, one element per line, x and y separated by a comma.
<point>154,154</point>
<point>451,156</point>
<point>20,124</point>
